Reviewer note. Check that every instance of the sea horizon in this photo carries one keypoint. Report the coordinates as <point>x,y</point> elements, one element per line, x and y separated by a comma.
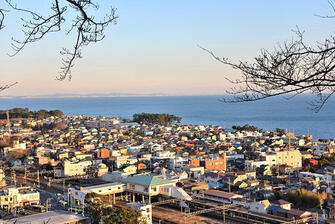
<point>292,115</point>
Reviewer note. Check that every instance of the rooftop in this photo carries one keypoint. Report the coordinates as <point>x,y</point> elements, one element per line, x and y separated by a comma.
<point>222,194</point>
<point>53,217</point>
<point>146,180</point>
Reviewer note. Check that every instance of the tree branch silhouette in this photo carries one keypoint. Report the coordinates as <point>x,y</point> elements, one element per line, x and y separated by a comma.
<point>88,29</point>
<point>7,86</point>
<point>291,68</point>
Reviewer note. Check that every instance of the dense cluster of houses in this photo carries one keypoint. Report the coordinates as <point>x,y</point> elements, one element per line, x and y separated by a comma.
<point>226,166</point>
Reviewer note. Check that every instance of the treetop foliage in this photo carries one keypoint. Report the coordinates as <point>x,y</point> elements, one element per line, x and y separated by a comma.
<point>247,127</point>
<point>25,113</point>
<point>305,199</point>
<point>98,212</point>
<point>151,118</point>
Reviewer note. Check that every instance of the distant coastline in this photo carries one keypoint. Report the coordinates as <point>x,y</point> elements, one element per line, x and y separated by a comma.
<point>291,115</point>
<point>102,95</point>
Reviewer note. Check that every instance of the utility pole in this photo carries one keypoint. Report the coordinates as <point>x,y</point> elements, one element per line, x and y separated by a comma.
<point>224,213</point>
<point>25,174</point>
<point>229,184</point>
<point>63,186</point>
<point>181,202</point>
<point>8,126</point>
<point>13,177</point>
<point>38,178</point>
<point>289,178</point>
<point>47,204</point>
<point>83,209</point>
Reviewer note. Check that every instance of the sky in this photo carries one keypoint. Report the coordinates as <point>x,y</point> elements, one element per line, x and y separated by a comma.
<point>153,48</point>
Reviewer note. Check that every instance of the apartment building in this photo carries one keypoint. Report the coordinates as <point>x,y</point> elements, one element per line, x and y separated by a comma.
<point>12,197</point>
<point>291,158</point>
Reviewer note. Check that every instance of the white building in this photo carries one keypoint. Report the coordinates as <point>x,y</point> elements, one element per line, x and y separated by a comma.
<point>12,197</point>
<point>152,186</point>
<point>75,168</point>
<point>76,196</point>
<point>259,206</point>
<point>164,155</point>
<point>177,162</point>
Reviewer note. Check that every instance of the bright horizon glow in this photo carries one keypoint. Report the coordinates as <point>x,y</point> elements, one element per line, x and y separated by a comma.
<point>153,48</point>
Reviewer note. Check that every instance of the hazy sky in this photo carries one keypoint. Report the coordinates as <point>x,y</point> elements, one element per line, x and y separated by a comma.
<point>153,48</point>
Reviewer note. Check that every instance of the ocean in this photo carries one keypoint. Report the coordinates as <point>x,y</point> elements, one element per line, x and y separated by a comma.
<point>293,115</point>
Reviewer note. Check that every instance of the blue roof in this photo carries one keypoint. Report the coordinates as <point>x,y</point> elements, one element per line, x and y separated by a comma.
<point>274,208</point>
<point>215,184</point>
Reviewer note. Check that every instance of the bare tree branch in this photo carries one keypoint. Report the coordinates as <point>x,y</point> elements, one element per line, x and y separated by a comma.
<point>88,29</point>
<point>291,68</point>
<point>2,17</point>
<point>4,87</point>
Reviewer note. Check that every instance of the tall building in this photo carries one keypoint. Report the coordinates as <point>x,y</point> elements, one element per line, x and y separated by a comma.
<point>291,158</point>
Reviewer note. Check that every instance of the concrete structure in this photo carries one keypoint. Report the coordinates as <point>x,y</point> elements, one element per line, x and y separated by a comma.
<point>53,217</point>
<point>76,168</point>
<point>259,206</point>
<point>218,163</point>
<point>177,162</point>
<point>146,185</point>
<point>269,159</point>
<point>164,155</point>
<point>222,196</point>
<point>289,157</point>
<point>76,196</point>
<point>12,197</point>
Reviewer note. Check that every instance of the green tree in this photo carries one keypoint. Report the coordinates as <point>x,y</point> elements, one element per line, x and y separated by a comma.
<point>247,127</point>
<point>98,212</point>
<point>151,118</point>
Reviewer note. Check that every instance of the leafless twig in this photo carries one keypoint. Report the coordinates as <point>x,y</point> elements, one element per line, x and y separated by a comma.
<point>291,68</point>
<point>88,29</point>
<point>7,86</point>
